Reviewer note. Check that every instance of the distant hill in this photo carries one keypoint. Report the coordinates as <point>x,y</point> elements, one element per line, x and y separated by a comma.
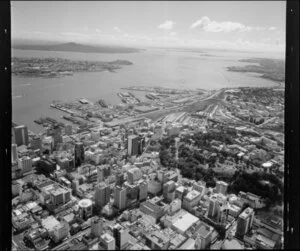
<point>74,47</point>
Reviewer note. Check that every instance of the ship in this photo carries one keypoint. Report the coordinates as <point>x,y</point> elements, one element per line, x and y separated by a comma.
<point>149,96</point>
<point>38,121</point>
<point>102,103</point>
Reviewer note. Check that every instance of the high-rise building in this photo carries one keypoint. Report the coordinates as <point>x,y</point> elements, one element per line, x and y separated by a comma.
<point>214,209</point>
<point>244,222</point>
<point>168,189</point>
<point>133,145</point>
<point>121,235</point>
<point>79,154</point>
<point>191,200</point>
<point>14,153</point>
<point>60,196</point>
<point>21,135</point>
<point>103,172</point>
<point>204,235</point>
<point>60,231</point>
<point>221,187</point>
<point>102,195</point>
<point>120,198</point>
<point>134,174</point>
<point>119,178</point>
<point>96,226</point>
<point>107,242</point>
<point>57,137</point>
<point>85,208</point>
<point>143,190</point>
<point>141,144</point>
<point>25,164</point>
<point>36,142</point>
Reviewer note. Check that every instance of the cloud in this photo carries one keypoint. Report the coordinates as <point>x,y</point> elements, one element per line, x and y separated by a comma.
<point>116,29</point>
<point>173,33</point>
<point>208,25</point>
<point>98,31</point>
<point>73,34</point>
<point>167,25</point>
<point>272,28</point>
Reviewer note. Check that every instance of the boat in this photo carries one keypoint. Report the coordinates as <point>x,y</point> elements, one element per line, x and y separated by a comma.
<point>102,103</point>
<point>38,121</point>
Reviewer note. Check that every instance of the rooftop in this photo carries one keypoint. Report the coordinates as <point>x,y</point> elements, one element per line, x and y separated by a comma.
<point>192,195</point>
<point>185,221</point>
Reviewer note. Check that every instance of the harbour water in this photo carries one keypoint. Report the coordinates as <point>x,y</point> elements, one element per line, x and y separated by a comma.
<point>31,97</point>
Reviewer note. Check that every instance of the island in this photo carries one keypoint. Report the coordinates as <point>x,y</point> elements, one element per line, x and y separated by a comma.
<point>273,69</point>
<point>59,67</point>
<point>75,47</point>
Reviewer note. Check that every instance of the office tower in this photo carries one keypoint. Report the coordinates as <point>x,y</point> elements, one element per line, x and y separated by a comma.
<point>60,196</point>
<point>214,208</point>
<point>244,222</point>
<point>133,145</point>
<point>102,195</point>
<point>134,174</point>
<point>168,188</point>
<point>141,144</point>
<point>21,135</point>
<point>14,153</point>
<point>36,142</point>
<point>120,198</point>
<point>103,172</point>
<point>121,235</point>
<point>85,208</point>
<point>119,179</point>
<point>143,193</point>
<point>107,242</point>
<point>57,137</point>
<point>60,231</point>
<point>25,163</point>
<point>79,154</point>
<point>221,187</point>
<point>96,226</point>
<point>204,237</point>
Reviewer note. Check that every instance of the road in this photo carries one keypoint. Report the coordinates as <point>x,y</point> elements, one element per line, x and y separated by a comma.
<point>213,111</point>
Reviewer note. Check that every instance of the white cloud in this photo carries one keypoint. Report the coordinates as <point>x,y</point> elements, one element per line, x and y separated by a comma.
<point>208,25</point>
<point>98,31</point>
<point>173,33</point>
<point>167,25</point>
<point>272,28</point>
<point>116,29</point>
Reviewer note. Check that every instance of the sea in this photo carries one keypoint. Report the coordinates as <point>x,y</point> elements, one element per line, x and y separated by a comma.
<point>181,69</point>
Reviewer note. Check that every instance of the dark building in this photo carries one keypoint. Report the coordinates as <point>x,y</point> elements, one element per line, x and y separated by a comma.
<point>36,142</point>
<point>119,179</point>
<point>56,134</point>
<point>133,145</point>
<point>79,154</point>
<point>20,135</point>
<point>142,144</point>
<point>46,166</point>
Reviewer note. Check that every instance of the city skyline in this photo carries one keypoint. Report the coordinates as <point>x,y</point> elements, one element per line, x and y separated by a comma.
<point>226,25</point>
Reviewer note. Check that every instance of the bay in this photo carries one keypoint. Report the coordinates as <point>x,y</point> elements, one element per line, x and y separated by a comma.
<point>31,97</point>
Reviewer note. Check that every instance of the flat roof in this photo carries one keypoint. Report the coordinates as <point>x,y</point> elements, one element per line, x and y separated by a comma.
<point>50,222</point>
<point>185,221</point>
<point>192,195</point>
<point>189,244</point>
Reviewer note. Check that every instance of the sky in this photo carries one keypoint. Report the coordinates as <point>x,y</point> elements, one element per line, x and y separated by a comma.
<point>238,25</point>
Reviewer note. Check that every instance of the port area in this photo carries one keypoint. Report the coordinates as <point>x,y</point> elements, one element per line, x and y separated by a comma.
<point>169,105</point>
<point>163,101</point>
